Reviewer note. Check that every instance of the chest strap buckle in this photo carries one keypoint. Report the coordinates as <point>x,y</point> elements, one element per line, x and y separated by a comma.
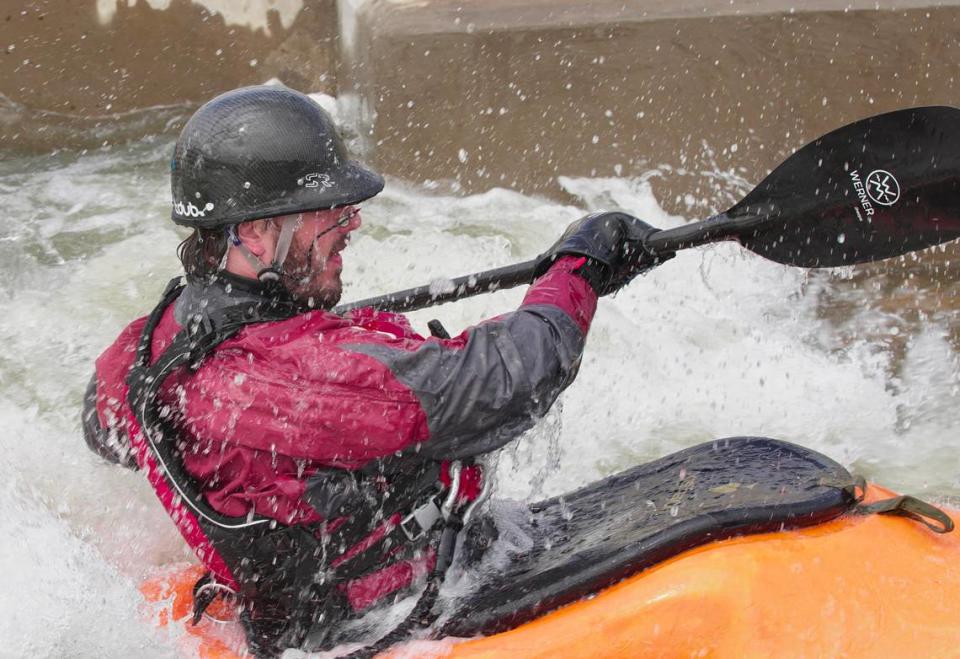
<point>419,522</point>
<point>425,517</point>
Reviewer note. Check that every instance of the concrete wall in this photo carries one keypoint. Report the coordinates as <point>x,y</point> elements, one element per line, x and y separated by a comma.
<point>514,93</point>
<point>80,72</point>
<point>475,94</point>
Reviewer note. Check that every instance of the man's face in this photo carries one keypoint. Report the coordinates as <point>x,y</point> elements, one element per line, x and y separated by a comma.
<point>311,271</point>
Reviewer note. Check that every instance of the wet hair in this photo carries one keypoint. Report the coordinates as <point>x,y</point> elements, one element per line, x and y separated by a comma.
<point>202,252</point>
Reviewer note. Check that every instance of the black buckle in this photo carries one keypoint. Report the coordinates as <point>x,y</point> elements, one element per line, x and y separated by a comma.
<point>205,591</point>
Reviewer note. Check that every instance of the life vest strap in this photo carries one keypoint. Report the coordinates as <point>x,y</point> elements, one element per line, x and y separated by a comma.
<point>287,580</point>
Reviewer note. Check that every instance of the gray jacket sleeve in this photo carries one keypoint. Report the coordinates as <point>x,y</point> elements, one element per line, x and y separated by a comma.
<point>480,396</point>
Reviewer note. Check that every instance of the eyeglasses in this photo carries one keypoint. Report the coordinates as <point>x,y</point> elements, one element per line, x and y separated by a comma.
<point>345,218</point>
<point>348,214</point>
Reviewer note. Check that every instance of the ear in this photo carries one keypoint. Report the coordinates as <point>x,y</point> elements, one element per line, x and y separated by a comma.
<point>259,236</point>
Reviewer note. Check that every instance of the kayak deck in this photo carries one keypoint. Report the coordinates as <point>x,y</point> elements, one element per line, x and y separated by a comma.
<point>858,586</point>
<point>635,565</point>
<point>584,541</point>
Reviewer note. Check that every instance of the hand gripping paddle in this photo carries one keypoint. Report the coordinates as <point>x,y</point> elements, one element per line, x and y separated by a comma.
<point>876,188</point>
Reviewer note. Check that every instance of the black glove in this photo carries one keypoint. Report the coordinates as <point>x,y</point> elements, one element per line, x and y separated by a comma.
<point>613,245</point>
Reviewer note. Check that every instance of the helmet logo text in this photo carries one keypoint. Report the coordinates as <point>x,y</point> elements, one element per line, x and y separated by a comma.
<point>189,210</point>
<point>316,180</point>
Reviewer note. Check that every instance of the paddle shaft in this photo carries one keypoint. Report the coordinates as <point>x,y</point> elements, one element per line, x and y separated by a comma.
<point>420,297</point>
<point>877,188</point>
<point>716,228</point>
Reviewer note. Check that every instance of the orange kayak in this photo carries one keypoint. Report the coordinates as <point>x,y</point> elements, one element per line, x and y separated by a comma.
<point>857,586</point>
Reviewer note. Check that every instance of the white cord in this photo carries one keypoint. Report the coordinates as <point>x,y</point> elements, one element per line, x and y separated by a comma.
<point>183,495</point>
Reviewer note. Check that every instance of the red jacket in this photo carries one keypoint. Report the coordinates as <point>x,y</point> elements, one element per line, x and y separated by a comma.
<point>281,399</point>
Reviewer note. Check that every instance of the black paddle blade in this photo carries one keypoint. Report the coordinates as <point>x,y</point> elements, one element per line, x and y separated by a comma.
<point>876,188</point>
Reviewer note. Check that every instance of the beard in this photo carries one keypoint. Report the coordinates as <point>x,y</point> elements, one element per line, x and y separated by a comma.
<point>308,278</point>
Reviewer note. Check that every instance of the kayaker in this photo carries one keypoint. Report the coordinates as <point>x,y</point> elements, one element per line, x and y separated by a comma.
<point>307,456</point>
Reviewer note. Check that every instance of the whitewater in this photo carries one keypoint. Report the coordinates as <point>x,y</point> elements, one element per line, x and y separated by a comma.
<point>717,342</point>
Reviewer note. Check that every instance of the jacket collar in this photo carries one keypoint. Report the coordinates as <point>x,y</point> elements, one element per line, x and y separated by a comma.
<point>210,296</point>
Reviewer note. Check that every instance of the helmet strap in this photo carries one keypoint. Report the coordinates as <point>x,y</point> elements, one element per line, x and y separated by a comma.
<point>287,227</point>
<point>271,272</point>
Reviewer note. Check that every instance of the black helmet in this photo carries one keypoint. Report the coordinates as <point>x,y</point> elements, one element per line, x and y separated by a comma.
<point>259,152</point>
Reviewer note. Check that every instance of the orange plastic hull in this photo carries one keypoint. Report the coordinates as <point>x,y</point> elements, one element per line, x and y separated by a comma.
<point>873,586</point>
